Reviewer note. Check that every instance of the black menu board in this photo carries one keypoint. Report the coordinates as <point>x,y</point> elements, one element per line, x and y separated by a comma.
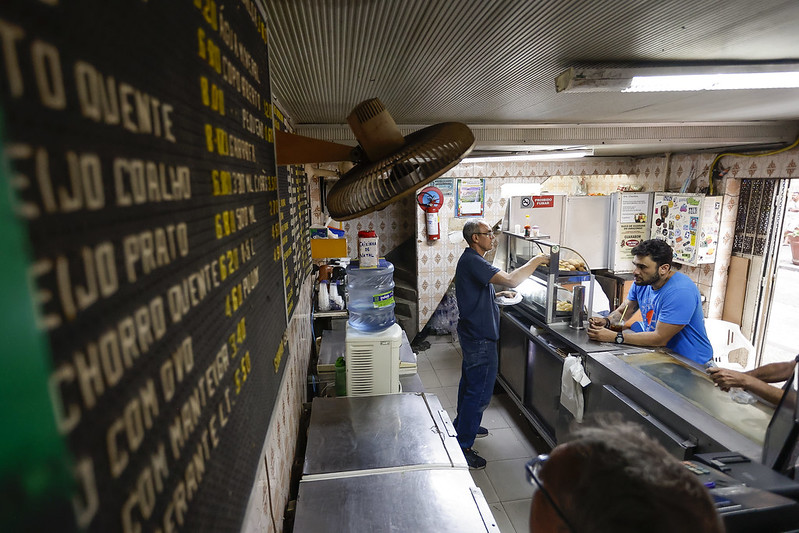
<point>295,224</point>
<point>139,135</point>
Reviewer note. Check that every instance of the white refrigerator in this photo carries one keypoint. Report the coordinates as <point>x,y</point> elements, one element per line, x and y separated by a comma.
<point>543,210</point>
<point>577,222</point>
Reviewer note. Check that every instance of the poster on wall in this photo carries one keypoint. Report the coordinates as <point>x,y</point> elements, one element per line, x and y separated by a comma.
<point>632,219</point>
<point>630,236</point>
<point>690,224</point>
<point>139,141</point>
<point>445,185</point>
<point>469,197</point>
<point>634,208</point>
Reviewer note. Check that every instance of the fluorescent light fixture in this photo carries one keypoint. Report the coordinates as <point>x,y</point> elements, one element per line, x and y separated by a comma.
<point>690,78</point>
<point>541,156</point>
<point>714,82</point>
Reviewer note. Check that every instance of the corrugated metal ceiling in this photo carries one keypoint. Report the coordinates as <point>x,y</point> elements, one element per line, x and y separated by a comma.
<point>493,63</point>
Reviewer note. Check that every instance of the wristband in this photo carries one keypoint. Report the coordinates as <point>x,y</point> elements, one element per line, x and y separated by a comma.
<point>607,322</point>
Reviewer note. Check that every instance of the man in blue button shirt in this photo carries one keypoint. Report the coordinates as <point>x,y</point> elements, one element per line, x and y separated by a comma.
<point>670,305</point>
<point>478,329</point>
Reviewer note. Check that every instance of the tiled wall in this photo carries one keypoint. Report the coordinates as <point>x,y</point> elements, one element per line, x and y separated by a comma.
<point>782,165</point>
<point>681,167</point>
<point>270,493</point>
<point>712,279</point>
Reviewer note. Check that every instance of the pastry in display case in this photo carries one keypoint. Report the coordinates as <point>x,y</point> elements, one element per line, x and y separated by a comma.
<point>547,293</point>
<point>534,295</point>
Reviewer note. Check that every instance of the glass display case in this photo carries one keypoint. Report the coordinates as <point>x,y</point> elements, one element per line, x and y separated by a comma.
<point>547,293</point>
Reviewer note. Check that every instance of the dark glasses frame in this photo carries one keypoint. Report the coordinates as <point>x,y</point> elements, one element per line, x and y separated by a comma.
<point>533,468</point>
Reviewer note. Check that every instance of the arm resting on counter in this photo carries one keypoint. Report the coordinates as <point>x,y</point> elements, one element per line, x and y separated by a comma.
<point>773,372</point>
<point>660,337</point>
<point>515,278</point>
<point>727,379</point>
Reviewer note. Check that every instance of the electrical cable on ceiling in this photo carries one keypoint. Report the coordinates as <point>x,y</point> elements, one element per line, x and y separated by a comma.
<point>718,157</point>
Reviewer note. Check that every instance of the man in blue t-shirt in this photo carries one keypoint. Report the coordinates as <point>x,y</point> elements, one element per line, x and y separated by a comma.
<point>478,330</point>
<point>670,305</point>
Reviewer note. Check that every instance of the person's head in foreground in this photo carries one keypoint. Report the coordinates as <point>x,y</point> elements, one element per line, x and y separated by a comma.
<point>611,478</point>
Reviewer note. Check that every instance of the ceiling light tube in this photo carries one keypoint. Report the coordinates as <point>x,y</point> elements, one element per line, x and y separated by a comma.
<point>573,154</point>
<point>688,78</point>
<point>714,82</point>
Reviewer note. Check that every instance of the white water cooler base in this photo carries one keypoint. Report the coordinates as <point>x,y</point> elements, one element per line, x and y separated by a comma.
<point>373,360</point>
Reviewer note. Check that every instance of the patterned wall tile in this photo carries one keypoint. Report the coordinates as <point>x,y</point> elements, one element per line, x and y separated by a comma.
<point>271,488</point>
<point>729,213</point>
<point>782,165</point>
<point>393,225</point>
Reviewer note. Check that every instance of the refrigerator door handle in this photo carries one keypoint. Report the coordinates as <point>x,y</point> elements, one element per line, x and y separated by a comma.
<point>449,428</point>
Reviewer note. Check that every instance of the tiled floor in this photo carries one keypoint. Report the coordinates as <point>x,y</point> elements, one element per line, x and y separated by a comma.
<point>509,445</point>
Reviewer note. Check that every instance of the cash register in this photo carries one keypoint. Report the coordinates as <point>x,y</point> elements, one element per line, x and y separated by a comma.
<point>759,496</point>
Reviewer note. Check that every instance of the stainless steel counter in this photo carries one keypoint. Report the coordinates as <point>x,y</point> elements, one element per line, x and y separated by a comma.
<point>416,500</point>
<point>387,463</point>
<point>670,396</point>
<point>579,339</point>
<point>692,384</point>
<point>348,436</point>
<point>674,397</point>
<point>575,338</point>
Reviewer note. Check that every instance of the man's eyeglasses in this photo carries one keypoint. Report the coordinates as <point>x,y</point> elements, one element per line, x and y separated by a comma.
<point>533,468</point>
<point>490,234</point>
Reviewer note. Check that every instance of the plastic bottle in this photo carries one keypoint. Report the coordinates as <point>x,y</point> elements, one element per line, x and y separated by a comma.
<point>341,377</point>
<point>737,394</point>
<point>371,296</point>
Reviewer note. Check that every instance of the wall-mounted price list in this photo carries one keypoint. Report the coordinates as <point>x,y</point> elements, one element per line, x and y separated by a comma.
<point>294,224</point>
<point>139,137</point>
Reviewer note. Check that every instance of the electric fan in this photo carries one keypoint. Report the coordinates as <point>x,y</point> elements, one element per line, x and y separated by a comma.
<point>388,165</point>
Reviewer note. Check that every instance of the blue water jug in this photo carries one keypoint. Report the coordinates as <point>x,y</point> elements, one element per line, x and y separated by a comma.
<point>371,296</point>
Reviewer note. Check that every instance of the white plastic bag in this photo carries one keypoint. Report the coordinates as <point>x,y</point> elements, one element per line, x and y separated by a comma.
<point>572,382</point>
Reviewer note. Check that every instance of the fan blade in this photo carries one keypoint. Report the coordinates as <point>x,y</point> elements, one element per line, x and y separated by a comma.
<point>295,149</point>
<point>427,154</point>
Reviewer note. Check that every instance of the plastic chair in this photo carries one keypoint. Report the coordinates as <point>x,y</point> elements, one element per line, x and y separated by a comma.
<point>726,337</point>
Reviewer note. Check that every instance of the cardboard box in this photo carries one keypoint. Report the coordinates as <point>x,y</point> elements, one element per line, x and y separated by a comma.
<point>323,248</point>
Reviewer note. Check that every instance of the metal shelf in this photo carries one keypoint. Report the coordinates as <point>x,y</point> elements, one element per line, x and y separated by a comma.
<point>341,313</point>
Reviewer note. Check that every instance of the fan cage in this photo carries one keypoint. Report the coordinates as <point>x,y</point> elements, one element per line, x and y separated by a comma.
<point>426,155</point>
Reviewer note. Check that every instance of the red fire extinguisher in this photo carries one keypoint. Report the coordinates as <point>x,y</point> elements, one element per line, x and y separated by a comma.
<point>430,199</point>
